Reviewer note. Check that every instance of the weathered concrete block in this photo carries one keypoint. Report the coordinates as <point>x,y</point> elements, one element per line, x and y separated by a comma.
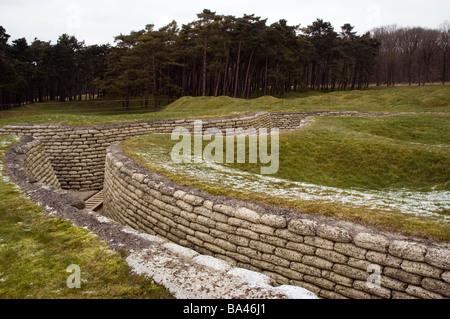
<point>305,269</point>
<point>384,259</point>
<point>193,200</point>
<point>247,214</point>
<point>224,209</point>
<point>288,273</point>
<point>317,262</point>
<point>288,235</point>
<point>262,229</point>
<point>350,250</point>
<point>273,220</point>
<point>179,194</point>
<point>350,272</point>
<point>408,250</point>
<point>372,241</point>
<point>446,276</point>
<point>352,293</point>
<point>331,255</point>
<point>273,240</point>
<point>319,242</point>
<point>393,284</point>
<point>288,254</point>
<point>276,260</point>
<point>421,269</point>
<point>373,290</point>
<point>247,233</point>
<point>402,275</point>
<point>185,206</point>
<point>437,286</point>
<point>302,248</point>
<point>333,233</point>
<point>320,282</point>
<point>339,279</point>
<point>260,246</point>
<point>438,257</point>
<point>422,293</point>
<point>303,226</point>
<point>225,244</point>
<point>401,295</point>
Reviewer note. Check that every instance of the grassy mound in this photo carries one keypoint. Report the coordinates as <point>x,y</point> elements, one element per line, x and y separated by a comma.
<point>430,98</point>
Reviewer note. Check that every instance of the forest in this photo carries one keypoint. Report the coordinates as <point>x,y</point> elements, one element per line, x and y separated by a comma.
<point>218,55</point>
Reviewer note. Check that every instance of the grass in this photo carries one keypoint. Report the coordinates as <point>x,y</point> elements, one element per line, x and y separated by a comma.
<point>402,152</point>
<point>35,251</point>
<point>431,98</point>
<point>407,151</point>
<point>368,153</point>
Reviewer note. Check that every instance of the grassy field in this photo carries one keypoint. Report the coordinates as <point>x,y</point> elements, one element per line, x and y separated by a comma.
<point>35,251</point>
<point>408,152</point>
<point>432,98</point>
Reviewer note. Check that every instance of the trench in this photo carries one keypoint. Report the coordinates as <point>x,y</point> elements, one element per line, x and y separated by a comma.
<point>326,256</point>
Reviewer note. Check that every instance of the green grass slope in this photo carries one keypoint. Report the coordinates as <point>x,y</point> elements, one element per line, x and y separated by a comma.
<point>35,251</point>
<point>431,98</point>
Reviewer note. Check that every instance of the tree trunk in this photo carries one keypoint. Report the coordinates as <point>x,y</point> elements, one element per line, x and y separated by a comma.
<point>247,74</point>
<point>225,74</point>
<point>204,68</point>
<point>236,84</point>
<point>266,71</point>
<point>155,83</point>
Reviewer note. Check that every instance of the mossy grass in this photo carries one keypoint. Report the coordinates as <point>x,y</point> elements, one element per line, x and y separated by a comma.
<point>36,249</point>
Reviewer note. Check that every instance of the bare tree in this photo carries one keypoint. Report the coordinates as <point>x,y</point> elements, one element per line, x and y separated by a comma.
<point>444,46</point>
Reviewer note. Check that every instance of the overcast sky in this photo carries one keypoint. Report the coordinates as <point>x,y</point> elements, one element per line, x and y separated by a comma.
<point>97,22</point>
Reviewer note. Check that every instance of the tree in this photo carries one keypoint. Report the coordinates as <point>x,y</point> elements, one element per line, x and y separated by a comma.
<point>324,40</point>
<point>444,47</point>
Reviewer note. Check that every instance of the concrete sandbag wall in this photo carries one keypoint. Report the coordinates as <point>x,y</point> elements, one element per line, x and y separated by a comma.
<point>331,258</point>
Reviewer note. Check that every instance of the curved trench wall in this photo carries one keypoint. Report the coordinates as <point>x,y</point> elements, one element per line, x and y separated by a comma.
<point>326,256</point>
<point>177,268</point>
<point>77,154</point>
<point>331,258</point>
<point>37,163</point>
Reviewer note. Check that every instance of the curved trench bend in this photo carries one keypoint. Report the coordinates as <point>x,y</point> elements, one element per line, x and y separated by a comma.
<point>317,250</point>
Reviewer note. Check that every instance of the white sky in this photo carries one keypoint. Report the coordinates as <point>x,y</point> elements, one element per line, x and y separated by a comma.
<point>98,21</point>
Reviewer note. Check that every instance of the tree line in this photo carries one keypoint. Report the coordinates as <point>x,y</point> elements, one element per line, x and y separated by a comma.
<point>239,57</point>
<point>220,55</point>
<point>40,71</point>
<point>412,55</point>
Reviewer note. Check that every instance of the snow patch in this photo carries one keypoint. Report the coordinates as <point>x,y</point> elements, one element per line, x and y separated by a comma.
<point>183,251</point>
<point>295,292</point>
<point>251,277</point>
<point>211,262</point>
<point>403,200</point>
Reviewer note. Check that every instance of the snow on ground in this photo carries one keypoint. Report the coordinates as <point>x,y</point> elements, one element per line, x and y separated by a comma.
<point>403,200</point>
